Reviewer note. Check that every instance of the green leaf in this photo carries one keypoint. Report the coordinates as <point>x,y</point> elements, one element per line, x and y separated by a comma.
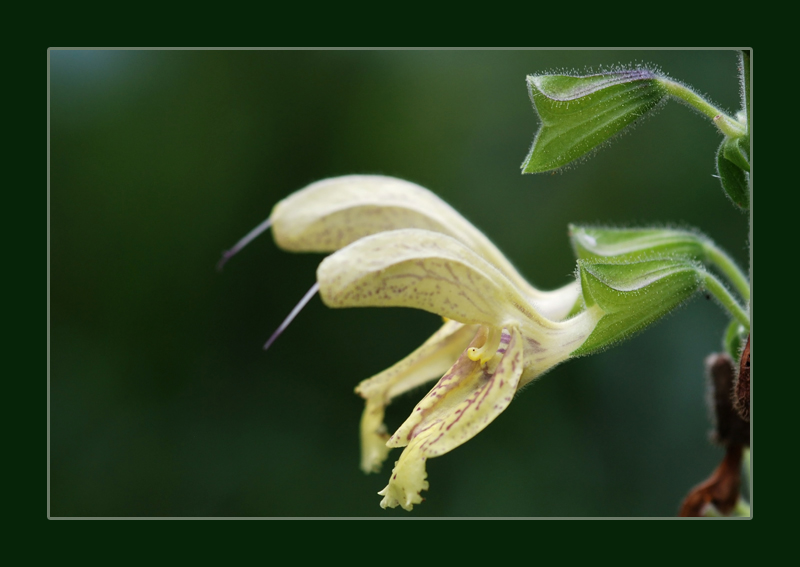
<point>580,113</point>
<point>733,177</point>
<point>624,244</point>
<point>633,295</point>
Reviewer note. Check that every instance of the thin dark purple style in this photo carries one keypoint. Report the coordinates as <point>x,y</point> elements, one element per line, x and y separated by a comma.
<point>227,255</point>
<point>297,308</point>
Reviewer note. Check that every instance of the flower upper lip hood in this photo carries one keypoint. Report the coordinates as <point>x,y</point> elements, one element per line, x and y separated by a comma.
<point>330,214</point>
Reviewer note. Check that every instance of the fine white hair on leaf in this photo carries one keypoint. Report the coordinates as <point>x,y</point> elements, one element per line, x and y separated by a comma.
<point>590,154</point>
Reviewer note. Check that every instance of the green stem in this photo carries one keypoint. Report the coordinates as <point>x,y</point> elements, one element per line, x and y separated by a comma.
<point>746,84</point>
<point>728,267</point>
<point>714,286</point>
<point>746,467</point>
<point>727,125</point>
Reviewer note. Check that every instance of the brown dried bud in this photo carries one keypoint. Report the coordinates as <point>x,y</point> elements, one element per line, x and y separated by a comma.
<point>729,427</point>
<point>742,387</point>
<point>721,489</point>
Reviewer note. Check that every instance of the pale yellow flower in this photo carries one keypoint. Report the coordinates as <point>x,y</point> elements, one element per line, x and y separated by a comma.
<point>397,244</point>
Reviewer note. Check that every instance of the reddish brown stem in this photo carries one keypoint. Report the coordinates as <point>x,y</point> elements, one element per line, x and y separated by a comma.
<point>721,489</point>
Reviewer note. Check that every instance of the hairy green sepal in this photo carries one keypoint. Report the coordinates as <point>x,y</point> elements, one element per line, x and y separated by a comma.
<point>633,295</point>
<point>580,113</point>
<point>622,244</point>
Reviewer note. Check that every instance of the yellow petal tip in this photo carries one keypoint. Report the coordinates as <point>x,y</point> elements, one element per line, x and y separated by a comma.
<point>373,436</point>
<point>406,484</point>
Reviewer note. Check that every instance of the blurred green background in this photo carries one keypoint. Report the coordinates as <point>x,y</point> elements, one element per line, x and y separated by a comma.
<point>164,404</point>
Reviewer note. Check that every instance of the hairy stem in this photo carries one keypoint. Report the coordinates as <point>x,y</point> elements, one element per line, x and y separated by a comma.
<point>715,287</point>
<point>728,267</point>
<point>727,125</point>
<point>746,84</point>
